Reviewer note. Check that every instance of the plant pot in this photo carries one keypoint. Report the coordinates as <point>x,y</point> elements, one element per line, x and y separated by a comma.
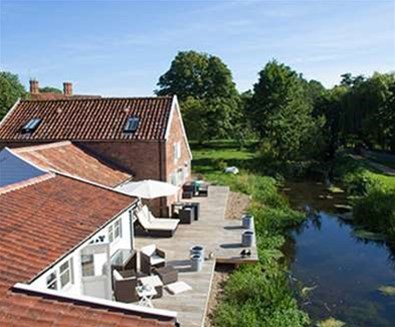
<point>196,263</point>
<point>247,238</point>
<point>247,221</point>
<point>197,250</point>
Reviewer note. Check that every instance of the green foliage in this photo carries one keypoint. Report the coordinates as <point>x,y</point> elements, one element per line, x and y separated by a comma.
<point>374,206</point>
<point>255,295</point>
<point>359,177</point>
<point>377,211</point>
<point>281,113</point>
<point>10,90</point>
<point>208,96</point>
<point>368,110</point>
<point>50,89</point>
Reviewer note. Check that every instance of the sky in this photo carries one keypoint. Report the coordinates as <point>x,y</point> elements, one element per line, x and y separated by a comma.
<point>120,48</point>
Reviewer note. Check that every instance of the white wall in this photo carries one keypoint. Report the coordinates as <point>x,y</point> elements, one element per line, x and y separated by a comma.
<point>77,287</point>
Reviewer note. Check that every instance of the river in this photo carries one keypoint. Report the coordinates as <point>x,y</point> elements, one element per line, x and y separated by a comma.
<point>340,272</point>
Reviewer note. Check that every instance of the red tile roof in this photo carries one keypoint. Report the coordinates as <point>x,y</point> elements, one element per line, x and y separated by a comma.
<point>67,158</point>
<point>88,119</point>
<point>40,222</point>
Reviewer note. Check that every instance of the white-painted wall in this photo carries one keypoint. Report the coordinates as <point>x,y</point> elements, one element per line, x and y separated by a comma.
<point>14,169</point>
<point>76,288</point>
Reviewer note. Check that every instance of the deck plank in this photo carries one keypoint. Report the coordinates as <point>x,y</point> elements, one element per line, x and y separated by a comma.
<point>216,234</point>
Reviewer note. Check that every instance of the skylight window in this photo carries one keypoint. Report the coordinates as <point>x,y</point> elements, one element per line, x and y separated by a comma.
<point>131,124</point>
<point>31,125</point>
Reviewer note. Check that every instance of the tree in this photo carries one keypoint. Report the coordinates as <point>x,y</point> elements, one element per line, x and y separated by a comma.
<point>202,83</point>
<point>50,89</point>
<point>10,90</point>
<point>281,113</point>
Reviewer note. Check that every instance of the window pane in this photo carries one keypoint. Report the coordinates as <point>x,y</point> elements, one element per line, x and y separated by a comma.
<point>110,233</point>
<point>64,267</point>
<point>65,278</point>
<point>51,281</point>
<point>88,267</point>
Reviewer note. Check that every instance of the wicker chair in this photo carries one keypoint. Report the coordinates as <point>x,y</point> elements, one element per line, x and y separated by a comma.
<point>125,283</point>
<point>151,257</point>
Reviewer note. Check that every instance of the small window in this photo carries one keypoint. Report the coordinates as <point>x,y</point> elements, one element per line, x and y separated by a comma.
<point>65,273</point>
<point>88,265</point>
<point>31,125</point>
<point>52,281</point>
<point>115,230</point>
<point>131,125</point>
<point>176,151</point>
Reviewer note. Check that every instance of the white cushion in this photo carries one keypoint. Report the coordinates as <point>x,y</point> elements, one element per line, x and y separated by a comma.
<point>149,250</point>
<point>178,287</point>
<point>155,259</point>
<point>117,275</point>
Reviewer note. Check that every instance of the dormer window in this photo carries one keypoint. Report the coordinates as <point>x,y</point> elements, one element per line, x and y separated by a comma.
<point>131,125</point>
<point>31,125</point>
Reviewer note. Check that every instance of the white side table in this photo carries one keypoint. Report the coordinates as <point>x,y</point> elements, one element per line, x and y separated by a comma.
<point>146,293</point>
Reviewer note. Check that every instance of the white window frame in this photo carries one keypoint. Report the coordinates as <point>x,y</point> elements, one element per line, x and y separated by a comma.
<point>57,275</point>
<point>115,231</point>
<point>52,279</point>
<point>69,270</point>
<point>176,151</point>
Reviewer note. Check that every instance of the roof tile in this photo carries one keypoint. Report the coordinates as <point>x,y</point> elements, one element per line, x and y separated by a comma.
<point>26,234</point>
<point>88,119</point>
<point>68,158</point>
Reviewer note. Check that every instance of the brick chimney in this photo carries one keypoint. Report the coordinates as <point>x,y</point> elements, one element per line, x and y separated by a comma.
<point>34,87</point>
<point>67,88</point>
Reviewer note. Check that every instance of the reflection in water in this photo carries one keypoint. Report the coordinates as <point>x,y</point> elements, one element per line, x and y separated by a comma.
<point>346,270</point>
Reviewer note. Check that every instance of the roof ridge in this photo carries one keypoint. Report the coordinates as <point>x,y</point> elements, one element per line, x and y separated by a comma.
<point>26,183</point>
<point>98,99</point>
<point>39,147</point>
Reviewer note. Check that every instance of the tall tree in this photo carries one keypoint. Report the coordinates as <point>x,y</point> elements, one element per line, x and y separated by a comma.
<point>282,114</point>
<point>204,84</point>
<point>10,90</point>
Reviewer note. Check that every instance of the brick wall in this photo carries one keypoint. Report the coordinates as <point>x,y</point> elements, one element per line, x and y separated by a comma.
<point>142,159</point>
<point>172,165</point>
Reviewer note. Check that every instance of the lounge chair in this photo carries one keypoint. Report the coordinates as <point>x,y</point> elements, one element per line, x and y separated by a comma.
<point>151,257</point>
<point>163,227</point>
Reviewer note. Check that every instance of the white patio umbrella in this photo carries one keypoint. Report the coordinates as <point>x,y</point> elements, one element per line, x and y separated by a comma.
<point>148,189</point>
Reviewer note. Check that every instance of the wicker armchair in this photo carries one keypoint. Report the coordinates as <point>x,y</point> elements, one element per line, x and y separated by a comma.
<point>125,283</point>
<point>151,257</point>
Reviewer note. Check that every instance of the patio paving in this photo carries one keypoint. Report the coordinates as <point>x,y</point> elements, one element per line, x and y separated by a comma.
<point>216,234</point>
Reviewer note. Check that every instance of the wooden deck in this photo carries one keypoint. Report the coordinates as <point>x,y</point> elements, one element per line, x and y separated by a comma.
<point>215,234</point>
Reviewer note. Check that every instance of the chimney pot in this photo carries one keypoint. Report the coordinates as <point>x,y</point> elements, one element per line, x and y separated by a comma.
<point>34,86</point>
<point>67,88</point>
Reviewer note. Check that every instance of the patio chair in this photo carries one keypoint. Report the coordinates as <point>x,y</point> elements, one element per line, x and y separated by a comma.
<point>151,257</point>
<point>125,283</point>
<point>162,227</point>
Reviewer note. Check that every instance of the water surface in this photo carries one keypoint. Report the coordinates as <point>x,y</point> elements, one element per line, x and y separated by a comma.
<point>346,271</point>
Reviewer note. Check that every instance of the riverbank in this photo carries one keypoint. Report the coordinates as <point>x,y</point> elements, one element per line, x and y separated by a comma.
<point>372,192</point>
<point>255,295</point>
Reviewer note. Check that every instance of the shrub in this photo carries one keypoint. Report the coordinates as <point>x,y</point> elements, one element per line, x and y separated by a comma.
<point>377,211</point>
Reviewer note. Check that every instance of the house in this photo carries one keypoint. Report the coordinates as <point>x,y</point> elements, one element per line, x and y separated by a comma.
<point>56,253</point>
<point>144,137</point>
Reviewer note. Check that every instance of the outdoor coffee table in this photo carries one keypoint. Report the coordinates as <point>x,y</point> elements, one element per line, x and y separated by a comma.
<point>146,293</point>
